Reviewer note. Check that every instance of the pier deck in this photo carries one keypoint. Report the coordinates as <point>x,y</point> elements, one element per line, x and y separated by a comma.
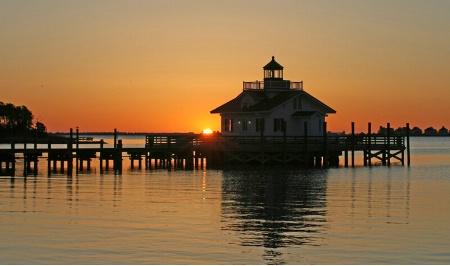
<point>189,151</point>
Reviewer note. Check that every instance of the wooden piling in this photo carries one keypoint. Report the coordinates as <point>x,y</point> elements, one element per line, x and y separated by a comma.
<point>325,146</point>
<point>388,151</point>
<point>115,138</point>
<point>49,148</point>
<point>353,144</point>
<point>35,157</point>
<point>118,158</point>
<point>69,149</point>
<point>407,145</point>
<point>101,159</point>
<point>77,136</point>
<point>25,164</point>
<point>369,143</point>
<point>13,163</point>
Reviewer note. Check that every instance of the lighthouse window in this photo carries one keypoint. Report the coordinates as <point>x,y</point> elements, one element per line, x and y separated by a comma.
<point>228,125</point>
<point>278,124</point>
<point>244,124</point>
<point>260,124</point>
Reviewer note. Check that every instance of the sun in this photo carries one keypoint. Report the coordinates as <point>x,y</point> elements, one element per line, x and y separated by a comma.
<point>207,131</point>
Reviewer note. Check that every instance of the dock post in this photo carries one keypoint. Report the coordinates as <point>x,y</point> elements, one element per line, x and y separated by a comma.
<point>353,144</point>
<point>369,144</point>
<point>168,156</point>
<point>54,166</point>
<point>69,159</point>
<point>35,158</point>
<point>49,148</point>
<point>407,145</point>
<point>346,156</point>
<point>13,151</point>
<point>389,144</point>
<point>25,159</point>
<point>325,146</point>
<point>77,157</point>
<point>115,138</point>
<point>118,158</point>
<point>101,159</point>
<point>196,160</point>
<point>62,165</point>
<point>190,160</point>
<point>365,156</point>
<point>345,151</point>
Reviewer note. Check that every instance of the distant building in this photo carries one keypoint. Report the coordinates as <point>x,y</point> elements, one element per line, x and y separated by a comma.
<point>273,107</point>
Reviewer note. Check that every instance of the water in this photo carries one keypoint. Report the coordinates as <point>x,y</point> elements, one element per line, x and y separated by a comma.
<point>247,215</point>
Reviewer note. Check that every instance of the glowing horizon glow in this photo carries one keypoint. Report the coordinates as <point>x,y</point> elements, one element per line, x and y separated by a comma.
<point>207,131</point>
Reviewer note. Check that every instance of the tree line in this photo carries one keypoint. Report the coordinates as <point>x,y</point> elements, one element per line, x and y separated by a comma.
<point>416,131</point>
<point>19,121</point>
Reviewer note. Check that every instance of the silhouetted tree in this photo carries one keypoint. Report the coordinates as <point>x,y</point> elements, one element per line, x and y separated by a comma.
<point>383,131</point>
<point>17,121</point>
<point>443,131</point>
<point>41,130</point>
<point>400,131</point>
<point>430,131</point>
<point>416,131</point>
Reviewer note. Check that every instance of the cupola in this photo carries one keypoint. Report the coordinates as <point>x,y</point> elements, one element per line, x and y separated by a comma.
<point>273,70</point>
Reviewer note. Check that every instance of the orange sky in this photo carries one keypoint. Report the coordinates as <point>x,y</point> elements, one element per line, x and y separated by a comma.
<point>161,66</point>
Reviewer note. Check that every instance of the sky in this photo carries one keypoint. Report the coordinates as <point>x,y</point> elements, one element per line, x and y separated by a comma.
<point>162,66</point>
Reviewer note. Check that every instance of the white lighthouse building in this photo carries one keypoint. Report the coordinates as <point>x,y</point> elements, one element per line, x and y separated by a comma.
<point>273,107</point>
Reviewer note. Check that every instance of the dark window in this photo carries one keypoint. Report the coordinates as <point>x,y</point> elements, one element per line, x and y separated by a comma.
<point>244,124</point>
<point>278,124</point>
<point>260,125</point>
<point>228,125</point>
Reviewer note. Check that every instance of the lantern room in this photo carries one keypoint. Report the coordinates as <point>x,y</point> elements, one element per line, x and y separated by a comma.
<point>273,70</point>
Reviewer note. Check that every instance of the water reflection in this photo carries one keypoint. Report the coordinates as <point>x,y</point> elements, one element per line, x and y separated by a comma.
<point>274,208</point>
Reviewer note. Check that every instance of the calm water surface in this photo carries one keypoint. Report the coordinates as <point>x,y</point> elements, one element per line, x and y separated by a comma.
<point>251,215</point>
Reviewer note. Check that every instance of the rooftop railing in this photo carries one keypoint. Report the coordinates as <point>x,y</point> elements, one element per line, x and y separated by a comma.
<point>272,84</point>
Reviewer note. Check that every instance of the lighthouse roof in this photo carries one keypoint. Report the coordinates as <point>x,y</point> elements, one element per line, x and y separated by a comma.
<point>273,65</point>
<point>266,104</point>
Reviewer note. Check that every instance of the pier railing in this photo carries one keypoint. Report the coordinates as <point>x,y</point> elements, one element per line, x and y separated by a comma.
<point>165,147</point>
<point>338,142</point>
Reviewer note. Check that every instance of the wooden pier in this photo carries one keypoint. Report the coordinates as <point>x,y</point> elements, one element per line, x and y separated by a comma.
<point>197,151</point>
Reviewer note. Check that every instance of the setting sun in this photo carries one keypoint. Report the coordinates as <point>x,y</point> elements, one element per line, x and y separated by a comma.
<point>207,131</point>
